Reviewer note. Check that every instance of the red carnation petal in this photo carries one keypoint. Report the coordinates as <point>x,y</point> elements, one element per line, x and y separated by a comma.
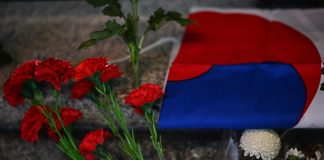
<point>90,156</point>
<point>110,71</point>
<point>89,66</point>
<point>32,123</point>
<point>69,115</point>
<point>53,135</point>
<point>81,88</point>
<point>139,110</point>
<point>136,98</point>
<point>91,140</point>
<point>13,86</point>
<point>54,71</point>
<point>146,93</point>
<point>12,91</point>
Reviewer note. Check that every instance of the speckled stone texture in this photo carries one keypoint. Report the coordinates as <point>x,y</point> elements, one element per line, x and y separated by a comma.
<point>42,29</point>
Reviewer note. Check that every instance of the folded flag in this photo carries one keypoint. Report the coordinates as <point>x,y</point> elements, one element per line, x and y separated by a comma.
<point>241,69</point>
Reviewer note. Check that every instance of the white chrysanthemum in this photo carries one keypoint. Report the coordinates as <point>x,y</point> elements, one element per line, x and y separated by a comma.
<point>295,152</point>
<point>260,143</point>
<point>318,156</point>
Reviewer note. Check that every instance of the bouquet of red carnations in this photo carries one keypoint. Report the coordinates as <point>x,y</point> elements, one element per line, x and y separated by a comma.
<point>92,79</point>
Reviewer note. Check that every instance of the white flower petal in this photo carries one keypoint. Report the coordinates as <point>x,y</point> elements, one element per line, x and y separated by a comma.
<point>260,143</point>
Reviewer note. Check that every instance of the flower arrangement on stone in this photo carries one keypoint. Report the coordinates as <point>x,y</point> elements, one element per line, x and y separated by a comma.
<point>127,26</point>
<point>92,79</point>
<point>260,143</point>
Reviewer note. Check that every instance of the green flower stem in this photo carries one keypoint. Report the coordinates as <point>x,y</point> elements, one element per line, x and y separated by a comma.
<point>136,69</point>
<point>56,95</point>
<point>111,122</point>
<point>69,137</point>
<point>135,20</point>
<point>136,44</point>
<point>156,141</point>
<point>66,142</point>
<point>134,54</point>
<point>108,157</point>
<point>129,137</point>
<point>108,118</point>
<point>117,118</point>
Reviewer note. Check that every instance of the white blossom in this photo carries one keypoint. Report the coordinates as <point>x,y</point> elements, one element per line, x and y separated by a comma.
<point>295,152</point>
<point>260,143</point>
<point>318,156</point>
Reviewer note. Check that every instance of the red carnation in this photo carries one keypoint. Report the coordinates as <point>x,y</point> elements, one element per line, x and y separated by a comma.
<point>90,142</point>
<point>34,119</point>
<point>11,91</point>
<point>25,71</point>
<point>68,116</point>
<point>32,123</point>
<point>110,71</point>
<point>54,71</point>
<point>53,135</point>
<point>81,88</point>
<point>90,66</point>
<point>89,156</point>
<point>13,86</point>
<point>146,93</point>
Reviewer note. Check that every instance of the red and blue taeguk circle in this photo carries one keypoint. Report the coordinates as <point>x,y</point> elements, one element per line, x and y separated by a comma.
<point>240,71</point>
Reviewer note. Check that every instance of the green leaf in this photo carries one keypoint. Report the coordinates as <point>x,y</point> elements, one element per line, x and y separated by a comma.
<point>98,3</point>
<point>29,88</point>
<point>157,20</point>
<point>100,35</point>
<point>113,9</point>
<point>161,17</point>
<point>129,34</point>
<point>87,44</point>
<point>176,16</point>
<point>114,27</point>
